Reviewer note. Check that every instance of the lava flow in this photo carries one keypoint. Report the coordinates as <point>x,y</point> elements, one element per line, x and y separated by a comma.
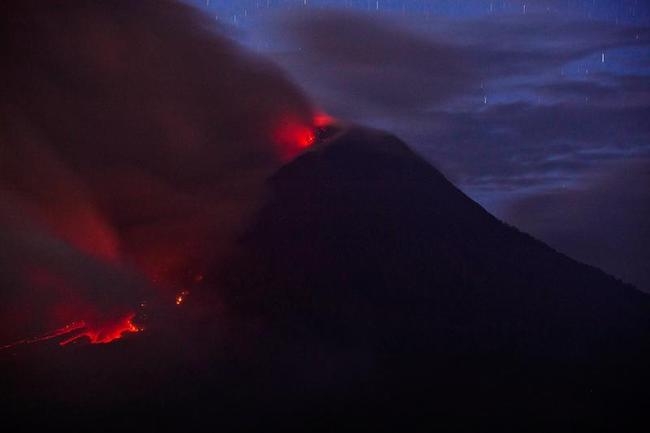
<point>106,332</point>
<point>95,328</point>
<point>65,330</point>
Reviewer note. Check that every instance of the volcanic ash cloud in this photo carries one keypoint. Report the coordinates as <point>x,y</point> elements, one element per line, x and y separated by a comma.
<point>135,143</point>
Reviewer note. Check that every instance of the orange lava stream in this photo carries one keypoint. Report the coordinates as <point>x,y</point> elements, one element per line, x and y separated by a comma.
<point>67,329</point>
<point>98,334</point>
<point>106,332</point>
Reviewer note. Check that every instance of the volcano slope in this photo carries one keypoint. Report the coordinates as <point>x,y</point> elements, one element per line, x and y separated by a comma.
<point>382,285</point>
<point>368,293</point>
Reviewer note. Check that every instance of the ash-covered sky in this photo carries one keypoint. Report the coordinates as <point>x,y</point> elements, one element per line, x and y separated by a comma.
<point>539,110</point>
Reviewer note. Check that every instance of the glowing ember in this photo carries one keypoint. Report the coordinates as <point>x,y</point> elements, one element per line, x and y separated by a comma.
<point>180,298</point>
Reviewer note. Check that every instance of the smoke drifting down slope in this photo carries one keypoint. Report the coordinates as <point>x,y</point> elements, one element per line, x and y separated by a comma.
<point>135,142</point>
<point>367,290</point>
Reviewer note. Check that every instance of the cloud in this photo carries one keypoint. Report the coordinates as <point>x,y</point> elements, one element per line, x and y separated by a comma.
<point>508,106</point>
<point>135,141</point>
<point>402,63</point>
<point>604,89</point>
<point>373,61</point>
<point>525,138</point>
<point>602,221</point>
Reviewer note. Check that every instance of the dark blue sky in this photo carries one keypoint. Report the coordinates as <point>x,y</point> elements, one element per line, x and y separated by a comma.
<point>630,11</point>
<point>539,110</point>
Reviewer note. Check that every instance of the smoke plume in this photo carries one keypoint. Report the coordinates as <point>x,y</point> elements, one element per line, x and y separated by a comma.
<point>135,142</point>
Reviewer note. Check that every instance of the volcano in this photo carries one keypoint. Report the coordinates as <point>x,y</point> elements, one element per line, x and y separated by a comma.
<point>368,292</point>
<point>371,256</point>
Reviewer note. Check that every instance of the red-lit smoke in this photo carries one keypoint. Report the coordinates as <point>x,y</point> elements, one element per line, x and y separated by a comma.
<point>134,148</point>
<point>292,135</point>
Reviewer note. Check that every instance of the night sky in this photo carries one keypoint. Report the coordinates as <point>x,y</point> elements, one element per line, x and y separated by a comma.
<point>536,109</point>
<point>209,189</point>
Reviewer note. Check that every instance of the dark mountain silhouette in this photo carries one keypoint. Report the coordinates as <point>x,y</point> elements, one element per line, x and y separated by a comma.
<point>369,293</point>
<point>369,255</point>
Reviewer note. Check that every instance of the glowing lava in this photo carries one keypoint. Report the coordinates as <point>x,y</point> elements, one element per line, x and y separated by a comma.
<point>293,135</point>
<point>105,332</point>
<point>67,329</point>
<point>180,298</point>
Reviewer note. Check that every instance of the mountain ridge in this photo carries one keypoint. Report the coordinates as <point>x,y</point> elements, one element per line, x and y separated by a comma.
<point>374,256</point>
<point>369,291</point>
